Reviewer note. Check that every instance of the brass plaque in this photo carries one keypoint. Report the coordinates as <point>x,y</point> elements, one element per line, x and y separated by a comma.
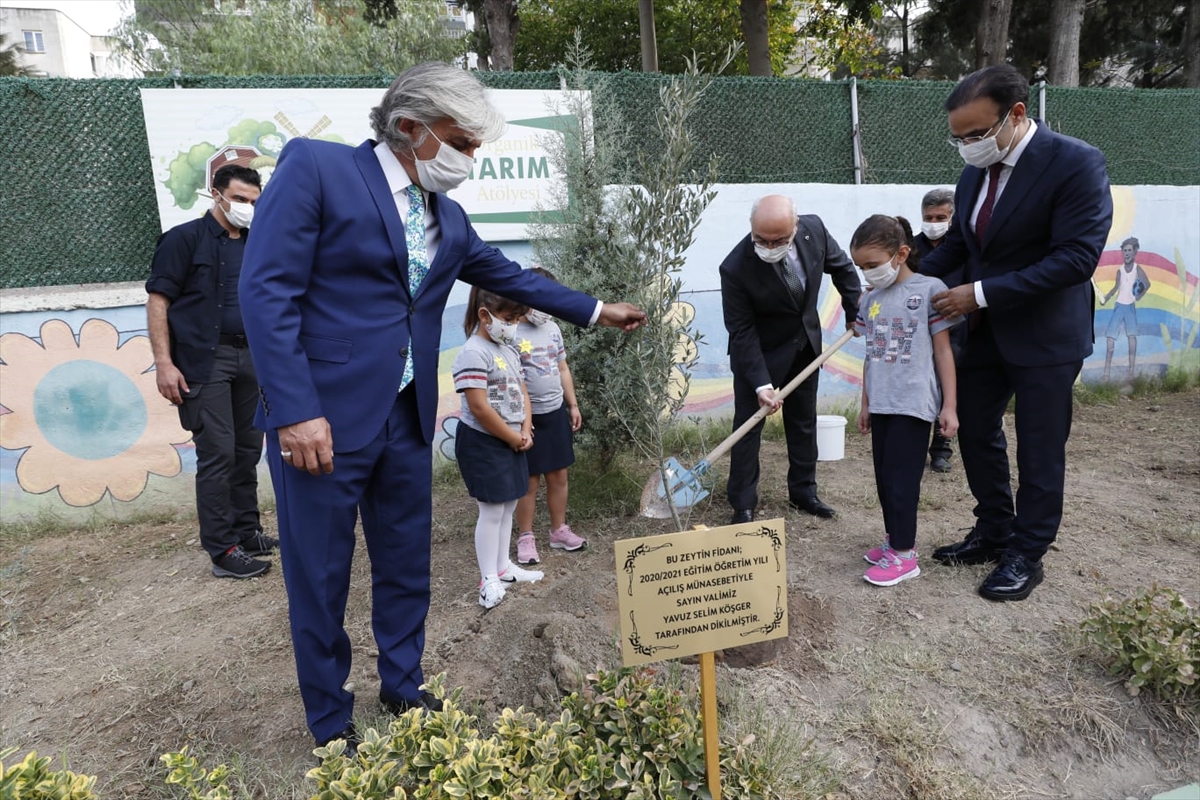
<point>702,590</point>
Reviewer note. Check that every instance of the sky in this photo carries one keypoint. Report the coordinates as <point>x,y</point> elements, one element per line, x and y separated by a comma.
<point>97,17</point>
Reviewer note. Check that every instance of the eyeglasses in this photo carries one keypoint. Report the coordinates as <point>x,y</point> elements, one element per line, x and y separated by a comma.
<point>772,243</point>
<point>958,141</point>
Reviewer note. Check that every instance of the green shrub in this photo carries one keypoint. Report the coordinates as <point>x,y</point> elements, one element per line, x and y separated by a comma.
<point>32,779</point>
<point>195,782</point>
<point>623,737</point>
<point>1153,637</point>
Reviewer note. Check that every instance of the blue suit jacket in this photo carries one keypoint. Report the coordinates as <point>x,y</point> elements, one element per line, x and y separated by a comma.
<point>325,298</point>
<point>1042,246</point>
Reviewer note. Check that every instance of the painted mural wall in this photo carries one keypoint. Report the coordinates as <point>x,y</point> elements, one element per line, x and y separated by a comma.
<point>84,431</point>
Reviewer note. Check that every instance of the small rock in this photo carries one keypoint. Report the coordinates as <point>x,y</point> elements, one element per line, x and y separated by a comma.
<point>191,542</point>
<point>373,653</point>
<point>474,626</point>
<point>1154,408</point>
<point>580,615</point>
<point>957,667</point>
<point>83,579</point>
<point>242,593</point>
<point>539,629</point>
<point>916,614</point>
<point>349,686</point>
<point>188,684</point>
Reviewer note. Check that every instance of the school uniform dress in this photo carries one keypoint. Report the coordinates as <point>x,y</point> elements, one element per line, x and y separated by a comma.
<point>492,471</point>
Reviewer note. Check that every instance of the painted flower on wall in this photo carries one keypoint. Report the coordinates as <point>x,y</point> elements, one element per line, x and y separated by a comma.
<point>87,414</point>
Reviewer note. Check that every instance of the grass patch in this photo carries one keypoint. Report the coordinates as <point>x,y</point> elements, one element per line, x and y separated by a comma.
<point>49,523</point>
<point>1103,393</point>
<point>781,744</point>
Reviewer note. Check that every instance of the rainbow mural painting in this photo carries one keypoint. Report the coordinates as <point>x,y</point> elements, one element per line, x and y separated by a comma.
<point>82,425</point>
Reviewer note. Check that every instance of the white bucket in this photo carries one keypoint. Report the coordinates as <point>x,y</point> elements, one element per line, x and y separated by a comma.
<point>831,437</point>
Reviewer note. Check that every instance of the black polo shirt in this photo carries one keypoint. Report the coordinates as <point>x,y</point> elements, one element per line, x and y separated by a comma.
<point>196,267</point>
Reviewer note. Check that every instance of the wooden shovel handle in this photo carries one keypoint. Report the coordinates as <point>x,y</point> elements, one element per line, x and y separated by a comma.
<point>735,437</point>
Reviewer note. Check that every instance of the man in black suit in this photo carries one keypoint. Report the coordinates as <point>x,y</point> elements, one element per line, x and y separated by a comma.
<point>769,287</point>
<point>1031,216</point>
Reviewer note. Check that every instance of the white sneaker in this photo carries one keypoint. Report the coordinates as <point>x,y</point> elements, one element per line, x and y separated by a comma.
<point>514,574</point>
<point>491,592</point>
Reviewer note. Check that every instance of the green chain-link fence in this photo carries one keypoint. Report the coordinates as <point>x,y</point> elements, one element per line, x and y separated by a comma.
<point>77,201</point>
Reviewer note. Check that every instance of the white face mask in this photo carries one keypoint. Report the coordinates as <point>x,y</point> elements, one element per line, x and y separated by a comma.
<point>772,255</point>
<point>240,215</point>
<point>537,318</point>
<point>501,332</point>
<point>986,151</point>
<point>882,276</point>
<point>934,230</point>
<point>446,170</point>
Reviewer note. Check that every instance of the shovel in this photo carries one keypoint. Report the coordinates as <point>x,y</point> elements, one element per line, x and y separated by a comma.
<point>683,486</point>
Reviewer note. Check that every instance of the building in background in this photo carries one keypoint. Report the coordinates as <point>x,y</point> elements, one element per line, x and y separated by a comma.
<point>56,46</point>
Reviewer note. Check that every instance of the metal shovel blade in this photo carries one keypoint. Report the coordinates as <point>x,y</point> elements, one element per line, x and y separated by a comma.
<point>683,486</point>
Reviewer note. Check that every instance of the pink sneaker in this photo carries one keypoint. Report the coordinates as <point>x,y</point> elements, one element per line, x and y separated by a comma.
<point>876,554</point>
<point>527,549</point>
<point>892,569</point>
<point>563,538</point>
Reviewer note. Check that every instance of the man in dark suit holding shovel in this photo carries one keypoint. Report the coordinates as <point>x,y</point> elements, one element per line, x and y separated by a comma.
<point>769,287</point>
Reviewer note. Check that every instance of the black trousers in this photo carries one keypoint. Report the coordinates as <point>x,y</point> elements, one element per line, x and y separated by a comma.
<point>1044,397</point>
<point>800,429</point>
<point>220,415</point>
<point>898,449</point>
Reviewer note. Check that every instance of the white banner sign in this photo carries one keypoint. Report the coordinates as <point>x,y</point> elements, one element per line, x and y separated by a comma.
<point>193,132</point>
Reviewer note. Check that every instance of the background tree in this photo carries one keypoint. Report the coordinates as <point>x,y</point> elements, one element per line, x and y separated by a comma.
<point>1066,21</point>
<point>991,35</point>
<point>610,30</point>
<point>1143,43</point>
<point>10,59</point>
<point>848,39</point>
<point>754,35</point>
<point>285,37</point>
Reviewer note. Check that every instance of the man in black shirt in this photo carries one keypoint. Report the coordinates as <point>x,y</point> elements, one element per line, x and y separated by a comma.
<point>204,367</point>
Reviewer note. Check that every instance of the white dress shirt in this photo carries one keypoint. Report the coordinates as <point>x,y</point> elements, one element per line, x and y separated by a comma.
<point>1006,168</point>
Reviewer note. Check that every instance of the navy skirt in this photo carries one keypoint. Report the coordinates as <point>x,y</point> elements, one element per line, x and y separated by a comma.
<point>492,472</point>
<point>553,446</point>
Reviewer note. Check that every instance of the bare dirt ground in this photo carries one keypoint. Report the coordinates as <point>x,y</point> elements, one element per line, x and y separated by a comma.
<point>116,644</point>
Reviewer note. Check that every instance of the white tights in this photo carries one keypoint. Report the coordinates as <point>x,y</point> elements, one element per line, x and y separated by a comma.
<point>493,535</point>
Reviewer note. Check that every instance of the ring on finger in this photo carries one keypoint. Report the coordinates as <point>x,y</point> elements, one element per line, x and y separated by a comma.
<point>285,453</point>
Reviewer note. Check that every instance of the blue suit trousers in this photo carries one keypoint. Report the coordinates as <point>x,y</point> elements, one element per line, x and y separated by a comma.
<point>388,482</point>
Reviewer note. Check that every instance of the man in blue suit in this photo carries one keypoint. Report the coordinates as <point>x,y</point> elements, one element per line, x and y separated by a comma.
<point>1031,215</point>
<point>355,252</point>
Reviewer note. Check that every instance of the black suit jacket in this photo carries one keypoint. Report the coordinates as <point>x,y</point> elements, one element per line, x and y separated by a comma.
<point>767,326</point>
<point>1044,240</point>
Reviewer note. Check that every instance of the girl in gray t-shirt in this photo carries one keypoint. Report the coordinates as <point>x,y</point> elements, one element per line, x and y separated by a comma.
<point>494,432</point>
<point>908,384</point>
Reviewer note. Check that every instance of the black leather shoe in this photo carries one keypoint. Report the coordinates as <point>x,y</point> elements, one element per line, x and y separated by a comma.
<point>812,505</point>
<point>426,702</point>
<point>977,548</point>
<point>353,740</point>
<point>939,463</point>
<point>1014,579</point>
<point>741,516</point>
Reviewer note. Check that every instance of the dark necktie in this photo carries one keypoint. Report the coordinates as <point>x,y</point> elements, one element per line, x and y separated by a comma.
<point>791,279</point>
<point>989,201</point>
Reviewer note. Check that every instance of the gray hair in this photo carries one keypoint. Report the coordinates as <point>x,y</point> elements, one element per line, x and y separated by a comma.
<point>938,197</point>
<point>1133,241</point>
<point>434,91</point>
